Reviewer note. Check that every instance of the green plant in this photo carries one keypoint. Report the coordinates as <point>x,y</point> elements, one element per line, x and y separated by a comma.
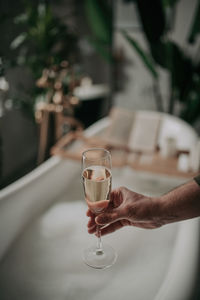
<point>183,69</point>
<point>44,40</point>
<point>99,16</point>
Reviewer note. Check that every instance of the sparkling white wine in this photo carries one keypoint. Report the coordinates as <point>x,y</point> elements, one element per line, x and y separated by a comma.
<point>97,182</point>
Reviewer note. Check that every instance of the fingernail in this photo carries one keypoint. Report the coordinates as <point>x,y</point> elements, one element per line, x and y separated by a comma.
<point>98,220</point>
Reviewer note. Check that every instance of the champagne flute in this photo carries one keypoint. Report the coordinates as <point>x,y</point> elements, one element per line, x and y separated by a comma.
<point>97,181</point>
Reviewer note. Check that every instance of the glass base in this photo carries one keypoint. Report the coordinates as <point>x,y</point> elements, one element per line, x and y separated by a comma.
<point>99,259</point>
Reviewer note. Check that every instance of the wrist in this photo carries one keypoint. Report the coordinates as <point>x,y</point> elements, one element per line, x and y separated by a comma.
<point>165,210</point>
<point>159,213</point>
<point>151,210</point>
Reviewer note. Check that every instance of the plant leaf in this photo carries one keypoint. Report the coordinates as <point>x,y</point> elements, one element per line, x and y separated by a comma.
<point>146,59</point>
<point>102,49</point>
<point>99,17</point>
<point>171,57</point>
<point>181,68</point>
<point>190,112</point>
<point>152,18</point>
<point>169,3</point>
<point>158,52</point>
<point>18,40</point>
<point>195,28</point>
<point>21,19</point>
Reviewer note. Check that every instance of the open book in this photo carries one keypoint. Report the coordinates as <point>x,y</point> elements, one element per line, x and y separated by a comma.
<point>138,131</point>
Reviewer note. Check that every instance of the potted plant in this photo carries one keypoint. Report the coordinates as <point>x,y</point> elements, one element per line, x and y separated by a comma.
<point>44,40</point>
<point>157,18</point>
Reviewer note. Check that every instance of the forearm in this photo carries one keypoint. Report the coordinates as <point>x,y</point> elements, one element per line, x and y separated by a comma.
<point>180,204</point>
<point>130,208</point>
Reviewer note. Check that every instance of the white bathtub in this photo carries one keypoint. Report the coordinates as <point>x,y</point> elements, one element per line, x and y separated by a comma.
<point>43,231</point>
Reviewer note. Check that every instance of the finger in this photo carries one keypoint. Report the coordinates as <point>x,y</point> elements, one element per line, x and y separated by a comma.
<point>115,198</point>
<point>92,229</point>
<point>107,218</point>
<point>89,213</point>
<point>91,221</point>
<point>111,228</point>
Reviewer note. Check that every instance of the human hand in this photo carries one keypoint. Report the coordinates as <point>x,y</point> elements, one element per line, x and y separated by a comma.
<point>125,208</point>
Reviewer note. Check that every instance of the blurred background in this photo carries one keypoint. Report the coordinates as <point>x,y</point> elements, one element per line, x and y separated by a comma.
<point>64,64</point>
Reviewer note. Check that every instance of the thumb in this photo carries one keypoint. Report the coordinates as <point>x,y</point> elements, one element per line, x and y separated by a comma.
<point>107,218</point>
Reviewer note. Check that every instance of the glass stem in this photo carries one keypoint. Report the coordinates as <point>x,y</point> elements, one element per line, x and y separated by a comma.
<point>99,249</point>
